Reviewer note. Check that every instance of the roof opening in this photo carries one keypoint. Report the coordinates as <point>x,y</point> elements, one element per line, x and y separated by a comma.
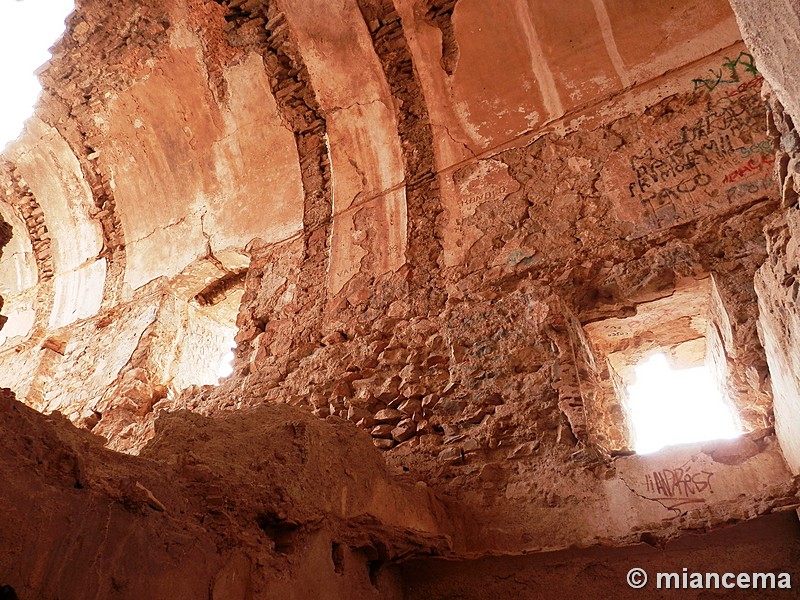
<point>668,406</point>
<point>27,30</point>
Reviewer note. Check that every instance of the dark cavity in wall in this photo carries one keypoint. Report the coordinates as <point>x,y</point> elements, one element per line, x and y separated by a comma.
<point>279,530</point>
<point>337,556</point>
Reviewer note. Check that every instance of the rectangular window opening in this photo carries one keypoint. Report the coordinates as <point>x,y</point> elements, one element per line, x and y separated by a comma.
<point>667,406</point>
<point>666,373</point>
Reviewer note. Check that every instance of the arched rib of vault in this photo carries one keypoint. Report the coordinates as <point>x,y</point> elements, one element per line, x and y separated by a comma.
<point>414,128</point>
<point>6,232</point>
<point>45,166</point>
<point>77,87</point>
<point>366,156</point>
<point>18,277</point>
<point>262,28</point>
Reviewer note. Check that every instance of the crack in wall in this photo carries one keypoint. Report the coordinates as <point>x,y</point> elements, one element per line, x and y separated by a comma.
<point>163,228</point>
<point>675,511</point>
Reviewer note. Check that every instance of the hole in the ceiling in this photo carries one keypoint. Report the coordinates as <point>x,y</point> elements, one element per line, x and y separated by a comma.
<point>27,30</point>
<point>668,406</point>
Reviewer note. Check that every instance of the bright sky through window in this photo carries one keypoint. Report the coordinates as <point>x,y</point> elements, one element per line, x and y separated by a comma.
<point>667,407</point>
<point>226,365</point>
<point>28,28</point>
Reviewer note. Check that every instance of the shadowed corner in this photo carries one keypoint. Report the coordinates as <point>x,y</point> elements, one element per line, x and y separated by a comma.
<point>7,593</point>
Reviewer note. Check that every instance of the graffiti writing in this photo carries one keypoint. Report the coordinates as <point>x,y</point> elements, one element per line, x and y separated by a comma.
<point>680,486</point>
<point>730,68</point>
<point>753,165</point>
<point>668,174</point>
<point>744,87</point>
<point>476,199</point>
<point>751,187</point>
<point>706,141</point>
<point>764,147</point>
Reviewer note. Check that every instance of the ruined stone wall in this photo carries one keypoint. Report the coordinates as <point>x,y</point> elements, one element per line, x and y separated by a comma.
<point>257,504</point>
<point>777,290</point>
<point>423,231</point>
<point>113,158</point>
<point>480,381</point>
<point>769,29</point>
<point>107,373</point>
